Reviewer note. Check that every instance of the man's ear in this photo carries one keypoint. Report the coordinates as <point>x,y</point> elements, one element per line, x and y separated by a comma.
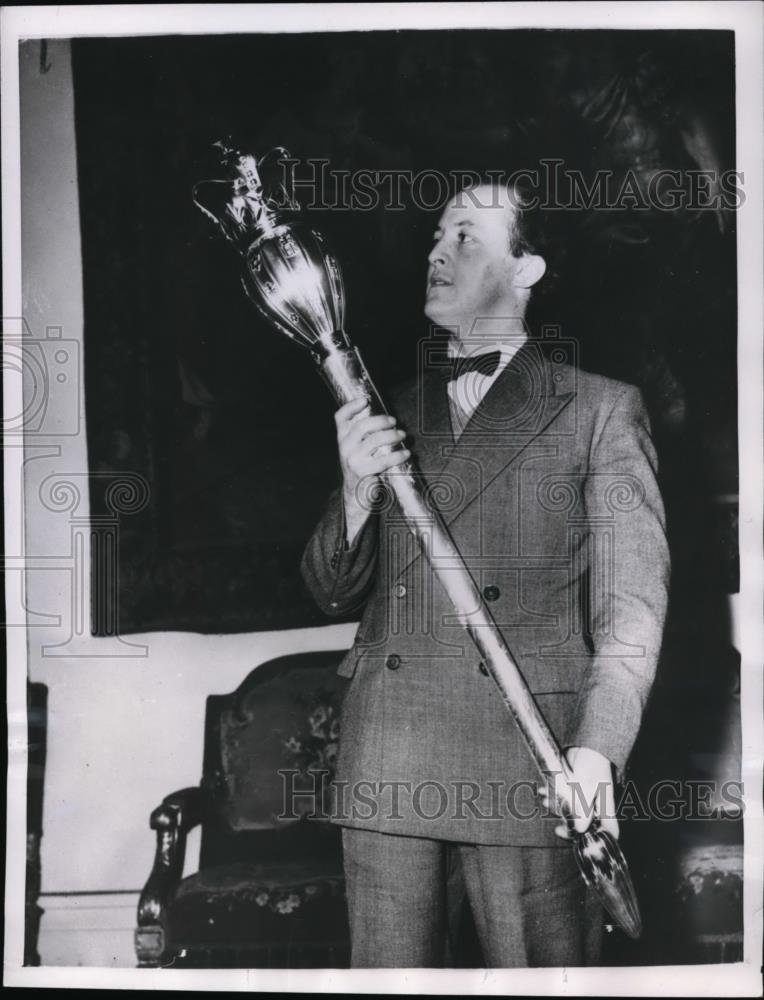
<point>529,269</point>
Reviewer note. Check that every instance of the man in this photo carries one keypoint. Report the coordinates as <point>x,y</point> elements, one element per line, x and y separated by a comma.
<point>545,476</point>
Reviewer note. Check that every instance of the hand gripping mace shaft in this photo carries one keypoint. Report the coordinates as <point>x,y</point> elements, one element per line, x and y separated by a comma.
<point>296,284</point>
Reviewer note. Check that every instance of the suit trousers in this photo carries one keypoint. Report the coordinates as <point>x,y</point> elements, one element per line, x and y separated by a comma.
<point>529,904</point>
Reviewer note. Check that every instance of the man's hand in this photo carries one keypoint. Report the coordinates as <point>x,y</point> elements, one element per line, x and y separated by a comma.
<point>364,444</point>
<point>590,790</point>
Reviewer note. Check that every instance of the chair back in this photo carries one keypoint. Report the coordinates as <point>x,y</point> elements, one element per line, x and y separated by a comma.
<point>269,757</point>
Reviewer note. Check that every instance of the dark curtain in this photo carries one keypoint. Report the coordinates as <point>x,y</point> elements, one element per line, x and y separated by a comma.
<point>227,423</point>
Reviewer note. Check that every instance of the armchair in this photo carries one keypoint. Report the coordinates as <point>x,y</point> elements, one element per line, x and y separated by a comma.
<point>270,889</point>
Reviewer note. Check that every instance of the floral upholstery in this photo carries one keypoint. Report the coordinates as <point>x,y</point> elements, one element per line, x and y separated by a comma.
<point>251,905</point>
<point>270,888</point>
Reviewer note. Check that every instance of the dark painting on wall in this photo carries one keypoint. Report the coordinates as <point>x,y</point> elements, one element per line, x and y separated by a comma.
<point>228,426</point>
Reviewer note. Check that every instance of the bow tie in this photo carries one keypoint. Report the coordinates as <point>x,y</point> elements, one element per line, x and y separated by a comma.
<point>485,364</point>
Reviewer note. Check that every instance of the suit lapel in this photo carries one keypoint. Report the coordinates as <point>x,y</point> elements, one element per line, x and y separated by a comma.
<point>518,407</point>
<point>423,413</point>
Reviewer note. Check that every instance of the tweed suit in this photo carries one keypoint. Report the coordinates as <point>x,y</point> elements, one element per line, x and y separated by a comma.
<point>551,497</point>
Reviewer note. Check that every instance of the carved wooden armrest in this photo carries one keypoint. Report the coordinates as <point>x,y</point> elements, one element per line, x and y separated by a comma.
<point>178,813</point>
<point>184,809</point>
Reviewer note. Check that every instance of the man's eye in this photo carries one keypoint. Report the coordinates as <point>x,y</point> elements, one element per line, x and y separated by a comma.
<point>464,238</point>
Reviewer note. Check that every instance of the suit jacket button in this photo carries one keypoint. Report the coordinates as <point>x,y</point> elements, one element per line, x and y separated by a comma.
<point>393,661</point>
<point>483,669</point>
<point>399,590</point>
<point>492,593</point>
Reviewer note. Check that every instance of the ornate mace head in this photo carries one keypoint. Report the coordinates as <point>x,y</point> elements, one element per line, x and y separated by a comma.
<point>289,273</point>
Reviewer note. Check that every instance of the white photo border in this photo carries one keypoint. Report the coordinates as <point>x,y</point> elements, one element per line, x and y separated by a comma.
<point>745,19</point>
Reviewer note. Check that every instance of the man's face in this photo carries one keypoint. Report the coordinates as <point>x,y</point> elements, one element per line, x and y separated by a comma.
<point>471,268</point>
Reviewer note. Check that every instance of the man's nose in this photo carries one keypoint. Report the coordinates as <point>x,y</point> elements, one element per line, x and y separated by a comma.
<point>438,254</point>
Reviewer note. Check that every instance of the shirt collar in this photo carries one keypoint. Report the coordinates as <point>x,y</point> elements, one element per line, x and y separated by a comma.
<point>508,349</point>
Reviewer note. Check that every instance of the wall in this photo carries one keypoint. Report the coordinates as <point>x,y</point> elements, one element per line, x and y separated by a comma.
<point>126,718</point>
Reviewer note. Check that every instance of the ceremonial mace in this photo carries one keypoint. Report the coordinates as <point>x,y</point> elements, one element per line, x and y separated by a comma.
<point>296,283</point>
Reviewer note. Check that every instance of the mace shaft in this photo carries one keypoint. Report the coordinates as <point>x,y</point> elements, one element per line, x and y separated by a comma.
<point>348,378</point>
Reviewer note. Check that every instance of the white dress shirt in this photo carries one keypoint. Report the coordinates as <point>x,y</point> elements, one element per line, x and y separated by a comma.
<point>468,391</point>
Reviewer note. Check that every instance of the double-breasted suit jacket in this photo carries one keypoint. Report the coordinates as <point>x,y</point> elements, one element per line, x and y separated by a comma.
<point>550,494</point>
